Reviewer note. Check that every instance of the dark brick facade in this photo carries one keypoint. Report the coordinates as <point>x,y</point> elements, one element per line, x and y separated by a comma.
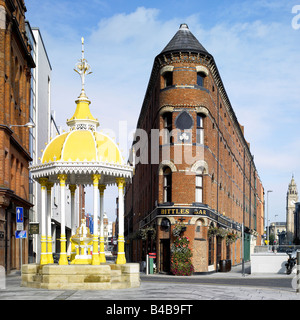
<point>232,192</point>
<point>15,64</point>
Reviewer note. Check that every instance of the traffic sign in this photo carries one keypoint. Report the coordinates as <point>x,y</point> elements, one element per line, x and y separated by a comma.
<point>34,228</point>
<point>20,226</point>
<point>19,214</point>
<point>21,234</point>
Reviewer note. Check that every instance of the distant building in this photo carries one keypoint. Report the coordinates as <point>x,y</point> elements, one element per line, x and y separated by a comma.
<point>278,229</point>
<point>297,223</point>
<point>291,199</point>
<point>40,115</point>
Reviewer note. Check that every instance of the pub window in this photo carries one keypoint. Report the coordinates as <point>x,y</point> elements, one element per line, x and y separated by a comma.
<point>199,187</point>
<point>167,184</point>
<point>200,78</point>
<point>228,252</point>
<point>198,228</point>
<point>200,129</point>
<point>211,250</point>
<point>168,78</point>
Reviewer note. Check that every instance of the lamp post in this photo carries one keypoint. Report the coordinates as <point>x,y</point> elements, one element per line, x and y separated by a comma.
<point>276,242</point>
<point>28,125</point>
<point>268,217</point>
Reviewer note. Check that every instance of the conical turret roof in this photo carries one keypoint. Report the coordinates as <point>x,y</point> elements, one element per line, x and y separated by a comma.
<point>184,40</point>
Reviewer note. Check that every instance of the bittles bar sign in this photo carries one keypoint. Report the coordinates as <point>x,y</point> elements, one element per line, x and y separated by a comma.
<point>199,212</point>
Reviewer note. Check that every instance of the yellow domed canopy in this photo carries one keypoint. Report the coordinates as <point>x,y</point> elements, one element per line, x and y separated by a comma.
<point>83,146</point>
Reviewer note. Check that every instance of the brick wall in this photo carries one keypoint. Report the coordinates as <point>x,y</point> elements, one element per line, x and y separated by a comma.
<point>15,64</point>
<point>231,185</point>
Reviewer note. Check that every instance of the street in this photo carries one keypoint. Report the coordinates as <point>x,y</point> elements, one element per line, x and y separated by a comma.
<point>216,286</point>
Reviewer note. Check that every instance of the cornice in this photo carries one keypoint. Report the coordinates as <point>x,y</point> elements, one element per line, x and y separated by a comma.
<point>82,170</point>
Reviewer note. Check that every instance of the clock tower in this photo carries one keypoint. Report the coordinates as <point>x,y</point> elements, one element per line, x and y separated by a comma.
<point>291,199</point>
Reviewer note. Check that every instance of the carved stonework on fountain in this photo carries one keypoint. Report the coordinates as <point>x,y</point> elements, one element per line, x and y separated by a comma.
<point>82,243</point>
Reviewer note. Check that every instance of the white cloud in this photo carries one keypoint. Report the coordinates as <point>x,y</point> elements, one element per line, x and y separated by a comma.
<point>258,61</point>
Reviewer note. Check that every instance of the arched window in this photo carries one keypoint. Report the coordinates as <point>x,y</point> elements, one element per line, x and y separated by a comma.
<point>167,184</point>
<point>167,118</point>
<point>200,78</point>
<point>168,77</point>
<point>199,186</point>
<point>198,228</point>
<point>200,128</point>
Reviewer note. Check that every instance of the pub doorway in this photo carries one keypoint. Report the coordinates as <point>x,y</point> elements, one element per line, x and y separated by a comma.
<point>219,250</point>
<point>165,256</point>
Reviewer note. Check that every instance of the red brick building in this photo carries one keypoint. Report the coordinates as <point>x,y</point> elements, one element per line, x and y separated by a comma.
<point>195,167</point>
<point>15,65</point>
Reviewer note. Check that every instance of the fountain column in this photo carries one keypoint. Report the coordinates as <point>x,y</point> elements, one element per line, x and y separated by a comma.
<point>44,255</point>
<point>102,249</point>
<point>63,240</point>
<point>95,256</point>
<point>121,243</point>
<point>72,188</point>
<point>49,231</point>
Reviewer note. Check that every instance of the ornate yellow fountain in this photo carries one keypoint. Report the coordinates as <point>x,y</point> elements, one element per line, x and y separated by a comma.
<point>81,156</point>
<point>82,243</point>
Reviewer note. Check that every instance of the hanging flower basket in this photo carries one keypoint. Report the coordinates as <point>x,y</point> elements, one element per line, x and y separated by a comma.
<point>144,232</point>
<point>212,232</point>
<point>222,233</point>
<point>231,238</point>
<point>215,231</point>
<point>178,229</point>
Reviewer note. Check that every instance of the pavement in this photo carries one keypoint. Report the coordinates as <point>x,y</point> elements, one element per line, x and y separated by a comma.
<point>158,287</point>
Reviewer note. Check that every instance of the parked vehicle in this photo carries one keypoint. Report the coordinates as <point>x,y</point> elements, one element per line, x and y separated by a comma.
<point>292,260</point>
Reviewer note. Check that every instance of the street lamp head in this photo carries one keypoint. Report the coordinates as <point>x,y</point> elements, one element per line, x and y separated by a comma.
<point>28,125</point>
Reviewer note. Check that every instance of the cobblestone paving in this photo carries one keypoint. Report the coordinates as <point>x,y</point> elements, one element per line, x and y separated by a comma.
<point>150,291</point>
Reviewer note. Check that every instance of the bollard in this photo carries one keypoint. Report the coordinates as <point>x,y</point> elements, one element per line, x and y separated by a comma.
<point>298,270</point>
<point>147,264</point>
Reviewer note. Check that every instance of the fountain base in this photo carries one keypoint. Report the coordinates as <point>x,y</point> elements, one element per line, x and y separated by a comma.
<point>81,277</point>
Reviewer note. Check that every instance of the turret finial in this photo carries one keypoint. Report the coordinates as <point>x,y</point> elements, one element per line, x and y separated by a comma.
<point>83,69</point>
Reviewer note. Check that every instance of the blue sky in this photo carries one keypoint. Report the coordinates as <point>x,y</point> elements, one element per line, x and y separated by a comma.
<point>255,47</point>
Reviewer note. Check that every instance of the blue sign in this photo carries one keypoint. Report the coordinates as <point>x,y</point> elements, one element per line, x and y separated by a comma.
<point>19,214</point>
<point>21,234</point>
<point>91,224</point>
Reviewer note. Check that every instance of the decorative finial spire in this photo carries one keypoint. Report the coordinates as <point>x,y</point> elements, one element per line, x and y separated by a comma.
<point>83,69</point>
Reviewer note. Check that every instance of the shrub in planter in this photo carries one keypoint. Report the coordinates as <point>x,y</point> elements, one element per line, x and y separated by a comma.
<point>181,264</point>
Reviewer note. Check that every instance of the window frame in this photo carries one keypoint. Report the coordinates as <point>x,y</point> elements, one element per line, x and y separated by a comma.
<point>201,75</point>
<point>211,251</point>
<point>199,186</point>
<point>200,129</point>
<point>168,79</point>
<point>167,184</point>
<point>167,126</point>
